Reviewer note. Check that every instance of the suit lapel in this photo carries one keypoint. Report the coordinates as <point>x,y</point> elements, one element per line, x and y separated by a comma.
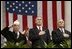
<point>36,30</point>
<point>64,31</point>
<point>59,32</point>
<point>15,35</point>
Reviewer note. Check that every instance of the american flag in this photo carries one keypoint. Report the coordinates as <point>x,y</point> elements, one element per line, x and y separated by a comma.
<point>27,11</point>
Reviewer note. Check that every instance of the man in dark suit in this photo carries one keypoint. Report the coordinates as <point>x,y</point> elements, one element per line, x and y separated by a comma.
<point>14,36</point>
<point>39,36</point>
<point>61,33</point>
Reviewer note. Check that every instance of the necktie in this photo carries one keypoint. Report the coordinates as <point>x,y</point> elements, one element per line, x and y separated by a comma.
<point>61,30</point>
<point>39,28</point>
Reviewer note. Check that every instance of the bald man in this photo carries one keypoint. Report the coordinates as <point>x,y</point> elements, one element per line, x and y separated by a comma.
<point>39,36</point>
<point>61,33</point>
<point>14,36</point>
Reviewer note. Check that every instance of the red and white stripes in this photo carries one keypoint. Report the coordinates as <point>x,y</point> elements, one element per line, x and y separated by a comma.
<point>50,11</point>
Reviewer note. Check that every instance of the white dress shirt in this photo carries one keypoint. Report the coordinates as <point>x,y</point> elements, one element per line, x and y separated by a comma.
<point>64,34</point>
<point>40,27</point>
<point>62,30</point>
<point>18,34</point>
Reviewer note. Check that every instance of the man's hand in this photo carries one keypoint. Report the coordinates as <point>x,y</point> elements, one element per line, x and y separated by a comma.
<point>66,35</point>
<point>41,32</point>
<point>23,32</point>
<point>10,26</point>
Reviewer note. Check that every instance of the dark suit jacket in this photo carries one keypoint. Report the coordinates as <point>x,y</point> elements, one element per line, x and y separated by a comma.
<point>57,36</point>
<point>12,36</point>
<point>36,39</point>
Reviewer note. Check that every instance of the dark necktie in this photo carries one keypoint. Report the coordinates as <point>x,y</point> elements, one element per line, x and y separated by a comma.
<point>39,28</point>
<point>61,30</point>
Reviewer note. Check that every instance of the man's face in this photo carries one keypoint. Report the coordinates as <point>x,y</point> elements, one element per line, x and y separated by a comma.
<point>15,27</point>
<point>39,21</point>
<point>61,23</point>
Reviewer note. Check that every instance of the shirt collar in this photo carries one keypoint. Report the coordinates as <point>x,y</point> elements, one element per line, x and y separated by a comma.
<point>40,27</point>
